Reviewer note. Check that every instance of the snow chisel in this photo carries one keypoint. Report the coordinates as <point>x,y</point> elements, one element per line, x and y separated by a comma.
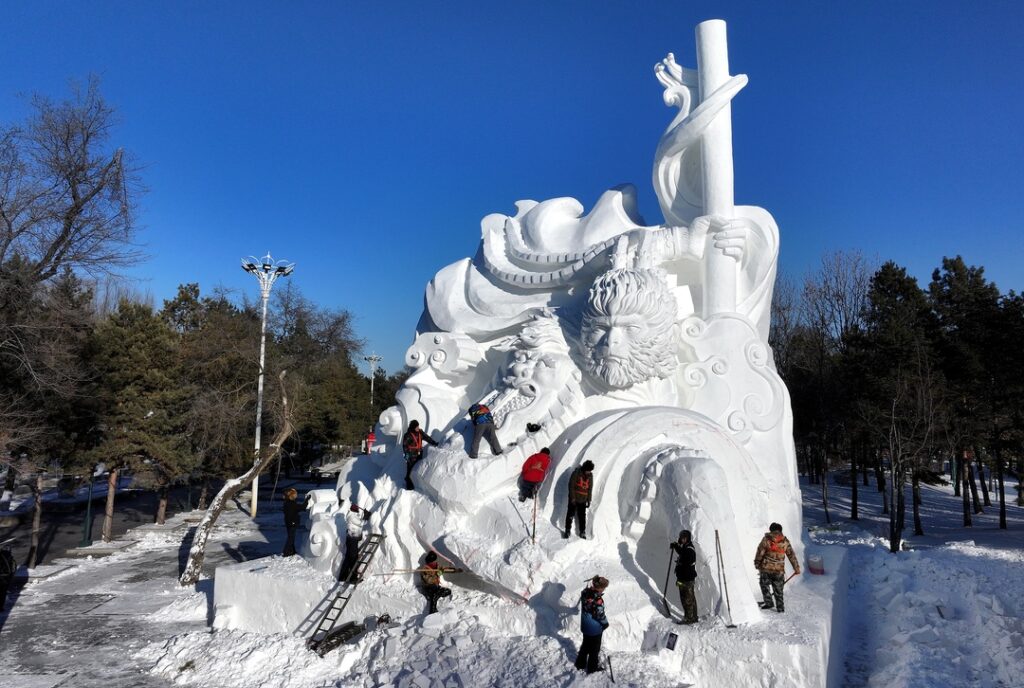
<point>611,672</point>
<point>664,591</point>
<point>790,578</point>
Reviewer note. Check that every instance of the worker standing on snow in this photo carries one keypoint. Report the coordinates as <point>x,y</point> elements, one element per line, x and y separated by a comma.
<point>686,575</point>
<point>412,445</point>
<point>292,519</point>
<point>770,560</point>
<point>593,621</point>
<point>535,469</point>
<point>430,582</point>
<point>8,567</point>
<point>355,521</point>
<point>483,427</point>
<point>581,487</point>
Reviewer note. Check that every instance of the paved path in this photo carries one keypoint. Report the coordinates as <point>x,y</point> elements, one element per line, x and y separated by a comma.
<point>83,626</point>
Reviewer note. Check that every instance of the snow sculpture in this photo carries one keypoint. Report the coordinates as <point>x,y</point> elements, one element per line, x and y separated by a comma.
<point>643,348</point>
<point>321,548</point>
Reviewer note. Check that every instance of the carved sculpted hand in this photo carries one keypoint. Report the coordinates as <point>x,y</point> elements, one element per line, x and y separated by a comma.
<point>730,237</point>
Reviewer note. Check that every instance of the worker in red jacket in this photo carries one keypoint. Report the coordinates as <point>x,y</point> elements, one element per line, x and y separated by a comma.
<point>535,469</point>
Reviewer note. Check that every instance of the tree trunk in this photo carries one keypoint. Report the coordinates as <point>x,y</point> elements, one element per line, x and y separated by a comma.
<point>974,488</point>
<point>853,485</point>
<point>194,566</point>
<point>204,494</point>
<point>901,501</point>
<point>1002,490</point>
<point>984,483</point>
<point>161,506</point>
<point>879,474</point>
<point>955,471</point>
<point>966,495</point>
<point>895,533</point>
<point>864,465</point>
<point>1020,493</point>
<point>824,486</point>
<point>108,513</point>
<point>37,521</point>
<point>918,528</point>
<point>880,477</point>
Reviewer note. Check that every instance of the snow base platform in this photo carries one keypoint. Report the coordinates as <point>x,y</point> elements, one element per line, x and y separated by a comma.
<point>794,649</point>
<point>284,595</point>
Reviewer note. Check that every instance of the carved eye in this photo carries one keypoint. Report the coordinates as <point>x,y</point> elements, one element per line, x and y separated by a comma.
<point>633,328</point>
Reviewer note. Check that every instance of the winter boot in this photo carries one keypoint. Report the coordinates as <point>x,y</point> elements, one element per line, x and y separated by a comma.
<point>767,604</point>
<point>566,534</point>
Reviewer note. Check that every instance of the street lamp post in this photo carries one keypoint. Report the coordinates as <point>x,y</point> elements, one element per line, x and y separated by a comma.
<point>266,271</point>
<point>87,528</point>
<point>373,359</point>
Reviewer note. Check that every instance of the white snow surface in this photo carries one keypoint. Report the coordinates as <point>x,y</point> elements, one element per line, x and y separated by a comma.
<point>894,633</point>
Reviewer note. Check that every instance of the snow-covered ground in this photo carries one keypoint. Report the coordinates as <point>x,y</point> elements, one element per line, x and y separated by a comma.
<point>947,613</point>
<point>950,612</point>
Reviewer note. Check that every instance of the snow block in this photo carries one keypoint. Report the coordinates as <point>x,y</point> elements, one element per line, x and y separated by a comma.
<point>286,595</point>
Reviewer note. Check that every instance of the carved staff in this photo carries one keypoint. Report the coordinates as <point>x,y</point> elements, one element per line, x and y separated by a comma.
<point>716,165</point>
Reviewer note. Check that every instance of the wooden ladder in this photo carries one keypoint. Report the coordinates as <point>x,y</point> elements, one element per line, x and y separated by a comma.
<point>345,592</point>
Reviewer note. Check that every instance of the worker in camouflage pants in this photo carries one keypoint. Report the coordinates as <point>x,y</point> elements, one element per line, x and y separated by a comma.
<point>770,560</point>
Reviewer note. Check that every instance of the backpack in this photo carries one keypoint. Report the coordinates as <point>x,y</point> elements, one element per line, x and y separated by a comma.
<point>479,413</point>
<point>581,484</point>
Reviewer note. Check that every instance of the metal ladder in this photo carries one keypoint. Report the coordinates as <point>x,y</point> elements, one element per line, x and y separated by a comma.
<point>345,593</point>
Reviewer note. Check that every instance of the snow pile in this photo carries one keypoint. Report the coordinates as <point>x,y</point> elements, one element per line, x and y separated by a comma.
<point>451,648</point>
<point>189,607</point>
<point>957,607</point>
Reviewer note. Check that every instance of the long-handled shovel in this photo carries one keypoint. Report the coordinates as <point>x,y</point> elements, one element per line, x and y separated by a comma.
<point>790,578</point>
<point>533,533</point>
<point>725,580</point>
<point>664,591</point>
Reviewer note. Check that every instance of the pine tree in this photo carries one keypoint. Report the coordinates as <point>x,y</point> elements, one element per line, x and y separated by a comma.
<point>144,400</point>
<point>904,387</point>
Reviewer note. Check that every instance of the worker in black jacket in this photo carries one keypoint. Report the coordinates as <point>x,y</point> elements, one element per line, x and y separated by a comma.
<point>8,567</point>
<point>292,519</point>
<point>686,575</point>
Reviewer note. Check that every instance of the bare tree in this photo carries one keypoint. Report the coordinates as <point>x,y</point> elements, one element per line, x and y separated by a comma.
<point>913,419</point>
<point>834,297</point>
<point>194,567</point>
<point>784,322</point>
<point>66,198</point>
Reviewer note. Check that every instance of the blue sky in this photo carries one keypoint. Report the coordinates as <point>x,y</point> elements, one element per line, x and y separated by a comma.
<point>365,141</point>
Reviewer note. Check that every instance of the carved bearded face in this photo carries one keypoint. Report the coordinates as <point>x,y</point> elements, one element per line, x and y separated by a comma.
<point>628,332</point>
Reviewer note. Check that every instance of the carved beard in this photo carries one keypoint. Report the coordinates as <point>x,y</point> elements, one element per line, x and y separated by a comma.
<point>649,358</point>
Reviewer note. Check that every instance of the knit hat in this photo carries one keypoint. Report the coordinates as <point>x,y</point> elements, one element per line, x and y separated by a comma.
<point>775,528</point>
<point>431,557</point>
<point>685,534</point>
<point>587,465</point>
